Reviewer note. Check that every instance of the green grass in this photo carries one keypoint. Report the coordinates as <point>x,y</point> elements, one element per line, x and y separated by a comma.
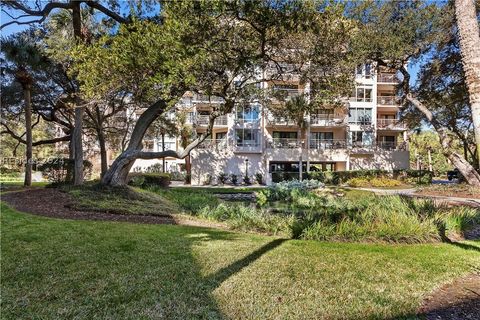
<point>62,269</point>
<point>119,200</point>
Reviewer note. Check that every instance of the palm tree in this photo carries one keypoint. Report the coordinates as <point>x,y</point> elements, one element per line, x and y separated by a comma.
<point>21,58</point>
<point>469,35</point>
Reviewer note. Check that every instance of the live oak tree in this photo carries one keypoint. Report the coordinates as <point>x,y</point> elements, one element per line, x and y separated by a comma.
<point>213,48</point>
<point>398,32</point>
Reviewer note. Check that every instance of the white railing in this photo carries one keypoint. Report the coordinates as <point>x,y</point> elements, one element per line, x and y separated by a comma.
<point>361,99</point>
<point>361,121</point>
<point>325,144</point>
<point>388,100</point>
<point>285,143</point>
<point>201,98</point>
<point>327,120</point>
<point>213,144</point>
<point>281,121</point>
<point>203,120</point>
<point>387,78</point>
<point>389,124</point>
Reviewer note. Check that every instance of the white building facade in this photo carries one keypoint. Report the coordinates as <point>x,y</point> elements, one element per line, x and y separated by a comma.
<point>365,134</point>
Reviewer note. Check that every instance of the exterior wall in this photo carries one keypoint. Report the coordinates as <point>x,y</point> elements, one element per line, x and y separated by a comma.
<point>384,160</point>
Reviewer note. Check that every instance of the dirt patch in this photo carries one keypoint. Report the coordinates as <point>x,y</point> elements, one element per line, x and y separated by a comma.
<point>457,300</point>
<point>51,202</point>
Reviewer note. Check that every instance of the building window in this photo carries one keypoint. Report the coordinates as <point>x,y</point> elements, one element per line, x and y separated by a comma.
<point>170,145</point>
<point>364,71</point>
<point>360,115</point>
<point>363,94</point>
<point>220,135</point>
<point>284,135</point>
<point>321,136</point>
<point>249,113</point>
<point>247,137</point>
<point>323,114</point>
<point>360,138</point>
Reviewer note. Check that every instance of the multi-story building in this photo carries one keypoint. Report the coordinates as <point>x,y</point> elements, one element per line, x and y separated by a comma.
<point>365,134</point>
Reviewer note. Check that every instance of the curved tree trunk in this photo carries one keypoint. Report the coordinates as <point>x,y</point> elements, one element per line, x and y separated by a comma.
<point>465,168</point>
<point>469,36</point>
<point>28,133</point>
<point>117,174</point>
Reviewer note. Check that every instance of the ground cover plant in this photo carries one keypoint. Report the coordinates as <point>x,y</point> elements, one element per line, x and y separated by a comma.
<point>374,182</point>
<point>64,269</point>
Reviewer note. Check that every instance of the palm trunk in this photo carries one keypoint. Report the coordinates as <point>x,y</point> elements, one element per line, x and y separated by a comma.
<point>469,36</point>
<point>28,128</point>
<point>188,169</point>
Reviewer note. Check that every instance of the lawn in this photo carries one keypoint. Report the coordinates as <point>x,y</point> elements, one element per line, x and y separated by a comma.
<point>62,269</point>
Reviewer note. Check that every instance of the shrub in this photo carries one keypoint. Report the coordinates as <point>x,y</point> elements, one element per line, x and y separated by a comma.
<point>457,220</point>
<point>188,178</point>
<point>234,179</point>
<point>374,182</point>
<point>246,180</point>
<point>60,170</point>
<point>259,178</point>
<point>316,175</point>
<point>149,179</point>
<point>177,176</point>
<point>222,177</point>
<point>154,168</point>
<point>208,180</point>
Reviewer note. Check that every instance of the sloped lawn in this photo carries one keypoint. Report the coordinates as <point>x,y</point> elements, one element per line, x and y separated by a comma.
<point>62,269</point>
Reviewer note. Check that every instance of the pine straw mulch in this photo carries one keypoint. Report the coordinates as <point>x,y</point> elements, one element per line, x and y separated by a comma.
<point>457,300</point>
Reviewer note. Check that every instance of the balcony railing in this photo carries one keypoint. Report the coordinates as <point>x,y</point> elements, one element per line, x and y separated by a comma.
<point>387,78</point>
<point>326,144</point>
<point>285,143</point>
<point>287,92</point>
<point>361,99</point>
<point>201,98</point>
<point>281,121</point>
<point>389,124</point>
<point>203,120</point>
<point>361,121</point>
<point>213,144</point>
<point>388,100</point>
<point>391,146</point>
<point>327,120</point>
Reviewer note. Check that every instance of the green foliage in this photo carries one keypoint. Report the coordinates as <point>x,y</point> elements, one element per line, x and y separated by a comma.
<point>374,182</point>
<point>60,170</point>
<point>457,220</point>
<point>139,179</point>
<point>233,179</point>
<point>246,180</point>
<point>259,177</point>
<point>222,177</point>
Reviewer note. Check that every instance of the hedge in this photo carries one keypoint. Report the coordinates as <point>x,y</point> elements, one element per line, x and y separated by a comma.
<point>340,177</point>
<point>140,179</point>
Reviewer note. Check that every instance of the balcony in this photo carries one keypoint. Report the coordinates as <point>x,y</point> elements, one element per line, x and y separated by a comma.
<point>284,71</point>
<point>210,144</point>
<point>280,121</point>
<point>391,146</point>
<point>328,144</point>
<point>387,78</point>
<point>285,143</point>
<point>388,100</point>
<point>204,99</point>
<point>361,99</point>
<point>363,121</point>
<point>390,124</point>
<point>327,121</point>
<point>203,120</point>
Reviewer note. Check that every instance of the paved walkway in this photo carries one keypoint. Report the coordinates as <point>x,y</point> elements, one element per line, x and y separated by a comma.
<point>410,192</point>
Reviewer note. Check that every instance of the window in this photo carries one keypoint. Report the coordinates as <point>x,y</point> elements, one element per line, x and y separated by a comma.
<point>284,135</point>
<point>363,94</point>
<point>249,113</point>
<point>360,138</point>
<point>324,114</point>
<point>247,137</point>
<point>169,145</point>
<point>220,135</point>
<point>360,115</point>
<point>364,71</point>
<point>322,136</point>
